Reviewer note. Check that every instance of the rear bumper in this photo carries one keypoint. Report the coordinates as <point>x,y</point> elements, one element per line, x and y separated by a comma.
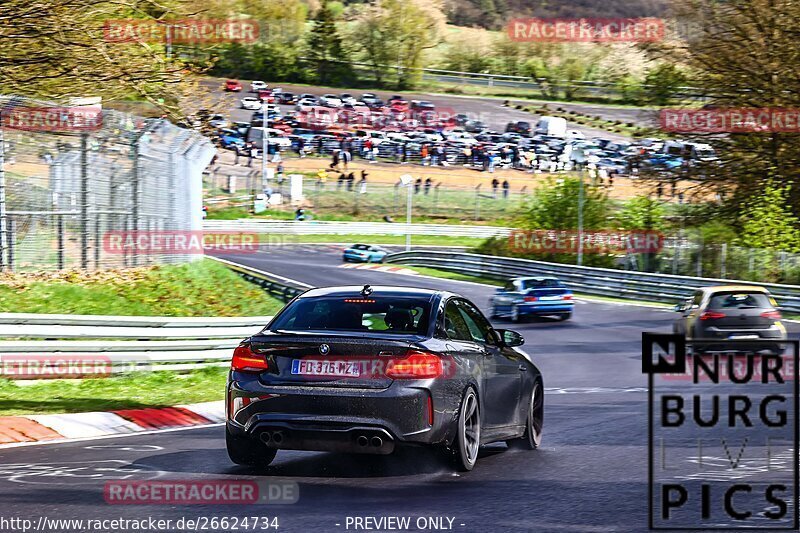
<point>544,309</point>
<point>353,257</point>
<point>339,419</point>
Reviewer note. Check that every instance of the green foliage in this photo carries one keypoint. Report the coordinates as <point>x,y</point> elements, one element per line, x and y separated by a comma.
<point>555,206</point>
<point>200,288</point>
<point>662,82</point>
<point>325,50</point>
<point>136,390</point>
<point>396,32</point>
<point>768,223</point>
<point>642,212</point>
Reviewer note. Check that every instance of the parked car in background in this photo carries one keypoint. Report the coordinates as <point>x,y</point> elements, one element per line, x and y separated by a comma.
<point>347,98</point>
<point>256,86</point>
<point>286,98</point>
<point>218,121</point>
<point>251,103</point>
<point>731,313</point>
<point>230,138</point>
<point>369,98</point>
<point>330,100</point>
<point>532,296</point>
<point>233,86</point>
<point>364,253</point>
<point>519,126</point>
<point>552,126</point>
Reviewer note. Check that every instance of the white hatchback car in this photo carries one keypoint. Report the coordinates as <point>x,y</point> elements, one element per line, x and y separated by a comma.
<point>251,102</point>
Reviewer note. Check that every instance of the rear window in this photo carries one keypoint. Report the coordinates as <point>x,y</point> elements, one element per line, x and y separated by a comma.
<point>542,284</point>
<point>360,247</point>
<point>739,300</point>
<point>393,315</point>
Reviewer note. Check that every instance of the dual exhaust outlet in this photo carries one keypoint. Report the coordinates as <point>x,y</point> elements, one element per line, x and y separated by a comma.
<point>364,441</point>
<point>275,438</point>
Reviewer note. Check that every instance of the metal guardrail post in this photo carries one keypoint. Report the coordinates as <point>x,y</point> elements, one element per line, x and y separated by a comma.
<point>84,200</point>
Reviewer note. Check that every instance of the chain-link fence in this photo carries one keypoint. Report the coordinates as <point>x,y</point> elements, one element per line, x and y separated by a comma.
<point>75,178</point>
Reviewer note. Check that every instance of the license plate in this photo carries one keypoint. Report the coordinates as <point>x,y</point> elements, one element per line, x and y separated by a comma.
<point>326,367</point>
<point>741,337</point>
<point>550,297</point>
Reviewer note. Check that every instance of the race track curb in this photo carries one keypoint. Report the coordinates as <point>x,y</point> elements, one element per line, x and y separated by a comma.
<point>16,430</point>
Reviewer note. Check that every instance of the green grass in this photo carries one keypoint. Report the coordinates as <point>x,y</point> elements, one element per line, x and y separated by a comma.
<point>200,288</point>
<point>127,391</point>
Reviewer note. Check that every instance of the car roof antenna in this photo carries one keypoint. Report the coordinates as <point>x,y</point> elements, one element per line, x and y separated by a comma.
<point>366,291</point>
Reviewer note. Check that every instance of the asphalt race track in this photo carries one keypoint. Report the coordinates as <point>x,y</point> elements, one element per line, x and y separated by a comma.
<point>589,476</point>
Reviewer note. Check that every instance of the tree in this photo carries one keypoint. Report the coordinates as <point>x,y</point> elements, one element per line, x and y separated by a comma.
<point>555,206</point>
<point>325,49</point>
<point>397,32</point>
<point>767,221</point>
<point>662,83</point>
<point>61,48</point>
<point>642,212</point>
<point>743,54</point>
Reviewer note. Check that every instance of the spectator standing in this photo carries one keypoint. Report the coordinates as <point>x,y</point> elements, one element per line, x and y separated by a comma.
<point>506,188</point>
<point>428,183</point>
<point>495,185</point>
<point>424,154</point>
<point>322,177</point>
<point>417,185</point>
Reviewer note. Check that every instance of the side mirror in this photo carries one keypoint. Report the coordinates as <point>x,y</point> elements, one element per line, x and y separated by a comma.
<point>679,308</point>
<point>510,338</point>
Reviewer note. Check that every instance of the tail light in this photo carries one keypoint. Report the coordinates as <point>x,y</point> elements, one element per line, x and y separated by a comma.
<point>567,297</point>
<point>530,298</point>
<point>711,315</point>
<point>772,315</point>
<point>418,365</point>
<point>245,360</point>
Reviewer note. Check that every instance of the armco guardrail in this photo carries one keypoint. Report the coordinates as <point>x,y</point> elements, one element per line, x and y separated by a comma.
<point>589,280</point>
<point>314,227</point>
<point>131,343</point>
<point>283,288</point>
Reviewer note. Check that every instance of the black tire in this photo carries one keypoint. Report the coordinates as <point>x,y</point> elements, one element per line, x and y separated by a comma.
<point>565,316</point>
<point>468,435</point>
<point>244,451</point>
<point>532,438</point>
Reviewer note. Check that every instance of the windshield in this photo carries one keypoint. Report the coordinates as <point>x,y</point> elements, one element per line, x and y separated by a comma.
<point>393,315</point>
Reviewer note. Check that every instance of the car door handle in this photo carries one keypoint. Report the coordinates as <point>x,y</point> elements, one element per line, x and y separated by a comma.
<point>523,368</point>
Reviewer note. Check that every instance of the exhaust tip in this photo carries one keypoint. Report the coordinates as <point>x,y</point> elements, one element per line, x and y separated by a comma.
<point>277,438</point>
<point>362,440</point>
<point>265,437</point>
<point>376,442</point>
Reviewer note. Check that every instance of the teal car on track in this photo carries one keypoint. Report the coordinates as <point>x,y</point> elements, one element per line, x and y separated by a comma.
<point>364,253</point>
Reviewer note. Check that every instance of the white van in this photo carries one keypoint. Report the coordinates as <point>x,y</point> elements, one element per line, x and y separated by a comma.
<point>552,126</point>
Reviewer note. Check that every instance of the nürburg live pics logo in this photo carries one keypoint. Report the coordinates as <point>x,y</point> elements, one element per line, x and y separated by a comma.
<point>723,441</point>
